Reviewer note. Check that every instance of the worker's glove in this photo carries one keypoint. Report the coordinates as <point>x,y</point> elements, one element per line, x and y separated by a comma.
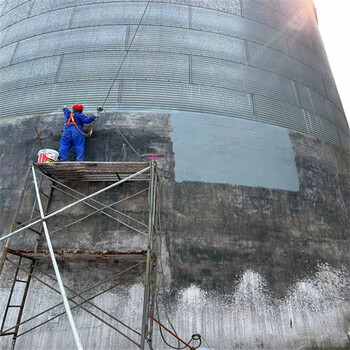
<point>99,109</point>
<point>64,107</point>
<point>97,116</point>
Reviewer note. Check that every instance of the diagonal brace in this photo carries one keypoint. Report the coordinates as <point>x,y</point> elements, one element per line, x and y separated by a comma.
<point>75,203</point>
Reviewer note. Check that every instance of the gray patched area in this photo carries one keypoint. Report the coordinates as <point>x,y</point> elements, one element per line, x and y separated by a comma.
<point>216,149</point>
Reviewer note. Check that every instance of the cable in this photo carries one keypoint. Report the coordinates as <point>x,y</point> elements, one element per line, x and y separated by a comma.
<point>116,76</point>
<point>124,138</point>
<point>195,337</point>
<point>206,343</point>
<point>126,54</point>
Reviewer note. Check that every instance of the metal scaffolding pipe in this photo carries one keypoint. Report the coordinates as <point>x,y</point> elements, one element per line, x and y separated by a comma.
<point>75,203</point>
<point>55,266</point>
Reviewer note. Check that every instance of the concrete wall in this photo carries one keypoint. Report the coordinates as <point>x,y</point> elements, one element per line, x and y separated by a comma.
<point>247,266</point>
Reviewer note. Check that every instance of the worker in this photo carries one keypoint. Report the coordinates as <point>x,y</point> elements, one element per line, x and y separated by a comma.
<point>73,135</point>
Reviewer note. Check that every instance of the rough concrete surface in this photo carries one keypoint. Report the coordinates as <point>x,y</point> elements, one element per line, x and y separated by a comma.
<point>247,267</point>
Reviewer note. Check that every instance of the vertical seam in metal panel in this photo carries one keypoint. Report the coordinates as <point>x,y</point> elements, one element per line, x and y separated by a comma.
<point>339,138</point>
<point>252,97</point>
<point>296,92</point>
<point>190,17</point>
<point>310,97</point>
<point>30,10</point>
<point>127,35</point>
<point>120,91</point>
<point>190,68</point>
<point>305,121</point>
<point>279,6</point>
<point>72,17</point>
<point>241,6</point>
<point>325,89</point>
<point>288,48</point>
<point>3,8</point>
<point>247,51</point>
<point>58,68</point>
<point>14,52</point>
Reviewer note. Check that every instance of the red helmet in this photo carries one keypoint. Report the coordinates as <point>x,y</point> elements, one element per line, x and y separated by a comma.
<point>78,107</point>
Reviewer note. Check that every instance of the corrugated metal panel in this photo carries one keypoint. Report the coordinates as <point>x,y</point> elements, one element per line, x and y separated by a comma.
<point>203,19</point>
<point>312,101</point>
<point>344,139</point>
<point>339,117</point>
<point>68,41</point>
<point>186,97</point>
<point>17,14</point>
<point>273,18</point>
<point>262,14</point>
<point>170,66</point>
<point>320,104</point>
<point>321,127</point>
<point>274,4</point>
<point>308,57</point>
<point>209,71</point>
<point>130,13</point>
<point>241,77</point>
<point>31,73</point>
<point>333,95</point>
<point>152,38</point>
<point>279,113</point>
<point>319,48</point>
<point>138,65</point>
<point>6,54</point>
<point>305,97</point>
<point>229,6</point>
<point>2,6</point>
<point>301,14</point>
<point>263,57</point>
<point>269,84</point>
<point>30,100</point>
<point>9,5</point>
<point>36,25</point>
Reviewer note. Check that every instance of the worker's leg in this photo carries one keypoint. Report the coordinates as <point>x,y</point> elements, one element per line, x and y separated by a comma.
<point>65,145</point>
<point>79,146</point>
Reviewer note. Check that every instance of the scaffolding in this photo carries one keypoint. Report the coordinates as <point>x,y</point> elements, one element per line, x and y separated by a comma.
<point>51,177</point>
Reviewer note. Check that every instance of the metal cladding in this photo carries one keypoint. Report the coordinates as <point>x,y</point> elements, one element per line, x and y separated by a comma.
<point>251,59</point>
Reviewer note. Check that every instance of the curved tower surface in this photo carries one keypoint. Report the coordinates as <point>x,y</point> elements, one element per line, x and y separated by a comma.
<point>239,97</point>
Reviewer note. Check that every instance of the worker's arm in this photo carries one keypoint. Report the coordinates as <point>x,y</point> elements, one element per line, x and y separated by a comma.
<point>66,112</point>
<point>85,119</point>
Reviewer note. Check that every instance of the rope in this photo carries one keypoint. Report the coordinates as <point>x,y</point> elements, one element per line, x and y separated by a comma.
<point>116,76</point>
<point>88,134</point>
<point>195,337</point>
<point>124,138</point>
<point>126,54</point>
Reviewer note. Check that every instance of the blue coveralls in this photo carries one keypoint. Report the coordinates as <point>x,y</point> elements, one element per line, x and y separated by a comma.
<point>72,137</point>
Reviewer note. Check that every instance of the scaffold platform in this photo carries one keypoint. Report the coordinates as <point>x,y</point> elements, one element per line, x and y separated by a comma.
<point>95,171</point>
<point>44,180</point>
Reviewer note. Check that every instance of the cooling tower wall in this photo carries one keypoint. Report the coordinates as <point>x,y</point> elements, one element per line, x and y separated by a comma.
<point>239,97</point>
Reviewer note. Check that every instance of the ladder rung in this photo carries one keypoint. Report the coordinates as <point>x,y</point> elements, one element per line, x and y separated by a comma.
<point>15,306</point>
<point>43,193</point>
<point>4,334</point>
<point>35,231</point>
<point>29,228</point>
<point>21,281</point>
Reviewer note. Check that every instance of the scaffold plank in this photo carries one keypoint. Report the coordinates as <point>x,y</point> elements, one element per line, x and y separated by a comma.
<point>93,171</point>
<point>81,255</point>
